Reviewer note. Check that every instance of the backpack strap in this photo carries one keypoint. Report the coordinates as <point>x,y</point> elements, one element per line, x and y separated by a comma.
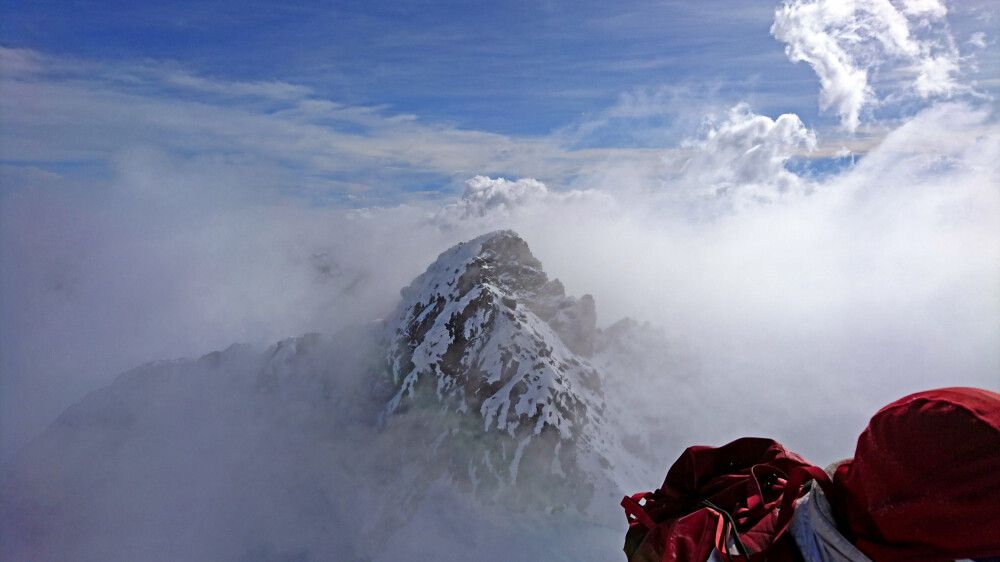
<point>727,530</point>
<point>635,512</point>
<point>791,488</point>
<point>798,478</point>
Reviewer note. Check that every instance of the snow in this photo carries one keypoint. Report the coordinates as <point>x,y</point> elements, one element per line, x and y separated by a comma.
<point>469,327</point>
<point>485,395</point>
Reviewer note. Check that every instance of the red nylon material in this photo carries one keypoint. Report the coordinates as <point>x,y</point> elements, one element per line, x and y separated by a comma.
<point>750,478</point>
<point>691,537</point>
<point>924,484</point>
<point>635,511</point>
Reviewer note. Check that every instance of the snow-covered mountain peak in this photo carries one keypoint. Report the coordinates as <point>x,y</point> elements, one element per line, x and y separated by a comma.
<point>489,325</point>
<point>484,334</point>
<point>500,258</point>
<point>499,392</point>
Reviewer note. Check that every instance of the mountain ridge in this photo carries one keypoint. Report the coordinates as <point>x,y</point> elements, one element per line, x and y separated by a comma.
<point>488,381</point>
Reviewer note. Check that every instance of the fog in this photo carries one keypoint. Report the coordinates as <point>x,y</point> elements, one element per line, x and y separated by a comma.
<point>803,276</point>
<point>808,301</point>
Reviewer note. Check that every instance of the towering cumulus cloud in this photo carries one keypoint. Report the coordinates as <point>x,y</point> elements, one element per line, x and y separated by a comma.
<point>846,41</point>
<point>483,195</point>
<point>748,152</point>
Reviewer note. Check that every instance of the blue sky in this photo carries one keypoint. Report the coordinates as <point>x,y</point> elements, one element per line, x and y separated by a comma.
<point>539,89</point>
<point>509,67</point>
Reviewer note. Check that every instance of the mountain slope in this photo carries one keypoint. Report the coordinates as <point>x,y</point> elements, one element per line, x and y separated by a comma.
<point>474,420</point>
<point>484,335</point>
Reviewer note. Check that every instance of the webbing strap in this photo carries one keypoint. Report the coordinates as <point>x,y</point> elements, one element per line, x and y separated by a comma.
<point>799,477</point>
<point>729,529</point>
<point>635,510</point>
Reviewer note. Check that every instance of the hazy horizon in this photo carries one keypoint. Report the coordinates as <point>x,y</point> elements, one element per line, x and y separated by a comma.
<point>805,198</point>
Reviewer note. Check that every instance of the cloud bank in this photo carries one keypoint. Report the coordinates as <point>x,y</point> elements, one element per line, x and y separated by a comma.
<point>139,222</point>
<point>795,279</point>
<point>873,282</point>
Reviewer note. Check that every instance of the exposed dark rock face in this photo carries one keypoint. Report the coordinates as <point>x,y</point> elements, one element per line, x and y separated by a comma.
<point>485,335</point>
<point>489,388</point>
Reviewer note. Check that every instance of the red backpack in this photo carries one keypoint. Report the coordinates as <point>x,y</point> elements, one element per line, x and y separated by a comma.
<point>737,499</point>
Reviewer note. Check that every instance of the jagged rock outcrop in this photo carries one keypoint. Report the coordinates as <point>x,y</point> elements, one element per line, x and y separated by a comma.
<point>489,388</point>
<point>484,335</point>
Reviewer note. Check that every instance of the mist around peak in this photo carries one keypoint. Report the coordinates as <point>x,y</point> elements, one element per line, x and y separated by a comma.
<point>732,241</point>
<point>471,395</point>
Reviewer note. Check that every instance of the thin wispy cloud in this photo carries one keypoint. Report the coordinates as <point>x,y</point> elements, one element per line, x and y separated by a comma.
<point>101,111</point>
<point>155,109</point>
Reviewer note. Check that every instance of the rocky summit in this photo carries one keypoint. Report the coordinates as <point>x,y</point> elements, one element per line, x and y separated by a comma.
<point>485,337</point>
<point>489,396</point>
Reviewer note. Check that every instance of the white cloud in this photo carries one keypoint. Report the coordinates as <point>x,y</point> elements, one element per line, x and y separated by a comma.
<point>488,198</point>
<point>483,194</point>
<point>848,42</point>
<point>883,277</point>
<point>977,40</point>
<point>746,154</point>
<point>880,281</point>
<point>21,61</point>
<point>89,111</point>
<point>930,8</point>
<point>934,76</point>
<point>275,90</point>
<point>654,117</point>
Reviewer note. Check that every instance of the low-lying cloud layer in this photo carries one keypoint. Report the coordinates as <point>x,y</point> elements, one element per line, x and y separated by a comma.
<point>806,309</point>
<point>808,296</point>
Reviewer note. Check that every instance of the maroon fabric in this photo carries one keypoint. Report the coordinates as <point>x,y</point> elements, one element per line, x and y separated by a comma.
<point>924,483</point>
<point>754,480</point>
